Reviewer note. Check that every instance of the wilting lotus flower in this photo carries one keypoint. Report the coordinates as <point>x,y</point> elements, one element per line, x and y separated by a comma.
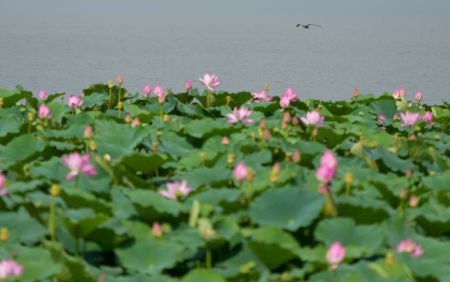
<point>188,85</point>
<point>398,93</point>
<point>241,115</point>
<point>159,92</point>
<point>240,172</point>
<point>44,112</point>
<point>409,246</point>
<point>410,118</point>
<point>78,164</point>
<point>75,101</point>
<point>211,81</point>
<point>43,95</point>
<point>428,117</point>
<point>335,255</point>
<point>176,189</point>
<point>328,166</point>
<point>3,190</point>
<point>10,268</point>
<point>419,96</point>
<point>147,90</point>
<point>288,97</point>
<point>313,119</point>
<point>261,97</point>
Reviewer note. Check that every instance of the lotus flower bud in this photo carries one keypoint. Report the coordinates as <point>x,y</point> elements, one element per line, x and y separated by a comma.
<point>225,140</point>
<point>408,173</point>
<point>403,193</point>
<point>355,92</point>
<point>275,173</point>
<point>428,117</point>
<point>240,172</point>
<point>88,132</point>
<point>135,122</point>
<point>419,96</point>
<point>335,255</point>
<point>296,157</point>
<point>413,201</point>
<point>119,79</point>
<point>42,95</point>
<point>92,145</point>
<point>263,123</point>
<point>266,134</point>
<point>110,84</point>
<point>127,118</point>
<point>157,231</point>
<point>147,90</point>
<point>44,112</point>
<point>188,85</point>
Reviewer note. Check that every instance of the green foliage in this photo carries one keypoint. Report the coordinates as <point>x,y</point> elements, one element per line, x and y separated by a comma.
<point>392,184</point>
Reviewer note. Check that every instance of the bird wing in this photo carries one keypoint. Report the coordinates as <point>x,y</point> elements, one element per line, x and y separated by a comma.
<point>315,25</point>
<point>299,25</point>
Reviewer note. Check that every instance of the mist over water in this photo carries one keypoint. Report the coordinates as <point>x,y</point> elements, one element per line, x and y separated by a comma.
<point>66,48</point>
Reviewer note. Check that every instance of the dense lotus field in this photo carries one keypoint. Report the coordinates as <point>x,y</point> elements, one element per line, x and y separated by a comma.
<point>206,185</point>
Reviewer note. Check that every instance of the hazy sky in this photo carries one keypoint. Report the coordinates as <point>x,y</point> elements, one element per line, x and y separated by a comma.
<point>374,10</point>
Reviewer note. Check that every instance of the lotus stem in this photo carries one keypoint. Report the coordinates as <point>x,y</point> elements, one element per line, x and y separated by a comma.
<point>51,221</point>
<point>208,259</point>
<point>119,103</point>
<point>110,98</point>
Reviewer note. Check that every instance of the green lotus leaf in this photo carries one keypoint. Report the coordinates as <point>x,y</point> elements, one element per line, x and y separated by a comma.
<point>288,208</point>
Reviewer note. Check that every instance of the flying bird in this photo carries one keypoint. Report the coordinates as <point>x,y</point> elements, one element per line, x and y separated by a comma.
<point>307,26</point>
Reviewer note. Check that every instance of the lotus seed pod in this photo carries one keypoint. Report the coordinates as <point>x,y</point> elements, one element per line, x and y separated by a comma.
<point>166,118</point>
<point>202,156</point>
<point>230,158</point>
<point>110,84</point>
<point>93,145</point>
<point>4,234</point>
<point>348,178</point>
<point>55,190</point>
<point>390,258</point>
<point>119,105</point>
<point>266,87</point>
<point>228,100</point>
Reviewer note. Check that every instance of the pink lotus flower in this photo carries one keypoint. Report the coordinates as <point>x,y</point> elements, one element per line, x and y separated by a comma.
<point>288,97</point>
<point>240,172</point>
<point>313,119</point>
<point>428,117</point>
<point>10,268</point>
<point>44,112</point>
<point>78,164</point>
<point>175,189</point>
<point>328,166</point>
<point>119,79</point>
<point>413,201</point>
<point>419,96</point>
<point>356,92</point>
<point>211,81</point>
<point>409,246</point>
<point>147,90</point>
<point>159,92</point>
<point>398,93</point>
<point>75,101</point>
<point>261,97</point>
<point>335,255</point>
<point>43,95</point>
<point>410,118</point>
<point>188,85</point>
<point>3,191</point>
<point>241,115</point>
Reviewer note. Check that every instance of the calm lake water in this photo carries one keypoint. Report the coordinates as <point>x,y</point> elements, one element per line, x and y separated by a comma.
<point>66,53</point>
